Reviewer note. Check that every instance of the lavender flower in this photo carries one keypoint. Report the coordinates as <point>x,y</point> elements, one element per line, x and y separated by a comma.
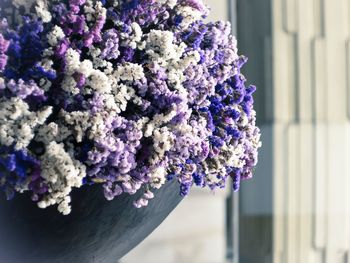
<point>128,94</point>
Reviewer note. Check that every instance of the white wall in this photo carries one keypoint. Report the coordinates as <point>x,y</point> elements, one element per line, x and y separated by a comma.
<point>312,151</point>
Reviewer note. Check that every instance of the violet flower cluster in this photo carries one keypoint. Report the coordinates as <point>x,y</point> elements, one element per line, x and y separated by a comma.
<point>127,94</point>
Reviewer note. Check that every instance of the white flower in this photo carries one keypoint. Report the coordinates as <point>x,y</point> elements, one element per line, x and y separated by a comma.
<point>170,3</point>
<point>160,44</point>
<point>121,96</point>
<point>2,83</point>
<point>98,128</point>
<point>158,177</point>
<point>99,82</point>
<point>52,132</point>
<point>42,11</point>
<point>70,85</point>
<point>93,11</point>
<point>47,64</point>
<point>79,120</point>
<point>62,173</point>
<point>163,141</point>
<point>235,155</point>
<point>114,3</point>
<point>192,57</point>
<point>55,35</point>
<point>110,104</point>
<point>89,10</point>
<point>108,68</point>
<point>136,35</point>
<point>64,206</point>
<point>212,173</point>
<point>129,71</point>
<point>243,120</point>
<point>94,52</point>
<point>72,60</point>
<point>176,78</point>
<point>86,68</point>
<point>159,119</point>
<point>140,124</point>
<point>48,52</point>
<point>189,14</point>
<point>18,124</point>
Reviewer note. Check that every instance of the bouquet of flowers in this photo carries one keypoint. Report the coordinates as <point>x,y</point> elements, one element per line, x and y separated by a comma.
<point>127,94</point>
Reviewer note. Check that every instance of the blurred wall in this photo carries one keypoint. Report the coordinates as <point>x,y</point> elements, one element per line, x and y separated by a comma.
<point>296,209</point>
<point>254,29</point>
<point>311,84</point>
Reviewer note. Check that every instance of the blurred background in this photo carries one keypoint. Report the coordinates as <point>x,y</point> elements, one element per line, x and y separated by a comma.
<point>296,208</point>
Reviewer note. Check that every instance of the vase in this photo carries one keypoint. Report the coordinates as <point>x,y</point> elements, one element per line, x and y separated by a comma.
<point>97,230</point>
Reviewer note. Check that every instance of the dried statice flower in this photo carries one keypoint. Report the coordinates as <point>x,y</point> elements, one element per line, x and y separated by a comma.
<point>97,92</point>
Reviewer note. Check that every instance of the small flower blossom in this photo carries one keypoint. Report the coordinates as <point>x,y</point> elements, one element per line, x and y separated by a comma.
<point>127,94</point>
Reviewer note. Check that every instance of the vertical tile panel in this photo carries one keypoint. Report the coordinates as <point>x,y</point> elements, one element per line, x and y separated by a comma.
<point>280,193</point>
<point>347,192</point>
<point>289,10</point>
<point>311,82</point>
<point>319,87</point>
<point>281,114</point>
<point>318,54</point>
<point>335,51</point>
<point>318,9</point>
<point>283,64</point>
<point>291,81</point>
<point>320,77</point>
<point>293,193</point>
<point>320,189</point>
<point>348,74</point>
<point>269,92</point>
<point>305,34</point>
<point>306,182</point>
<point>337,234</point>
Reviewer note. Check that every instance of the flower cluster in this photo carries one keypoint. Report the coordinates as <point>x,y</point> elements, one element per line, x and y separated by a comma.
<point>128,94</point>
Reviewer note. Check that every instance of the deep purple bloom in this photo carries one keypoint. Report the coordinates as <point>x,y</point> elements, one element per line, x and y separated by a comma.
<point>126,94</point>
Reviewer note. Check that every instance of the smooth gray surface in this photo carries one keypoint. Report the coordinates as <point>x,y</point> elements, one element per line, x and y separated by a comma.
<point>97,230</point>
<point>254,29</point>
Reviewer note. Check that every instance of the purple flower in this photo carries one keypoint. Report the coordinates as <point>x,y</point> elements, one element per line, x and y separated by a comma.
<point>111,44</point>
<point>124,96</point>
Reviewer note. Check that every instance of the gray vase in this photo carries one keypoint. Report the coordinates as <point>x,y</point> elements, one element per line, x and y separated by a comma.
<point>97,230</point>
